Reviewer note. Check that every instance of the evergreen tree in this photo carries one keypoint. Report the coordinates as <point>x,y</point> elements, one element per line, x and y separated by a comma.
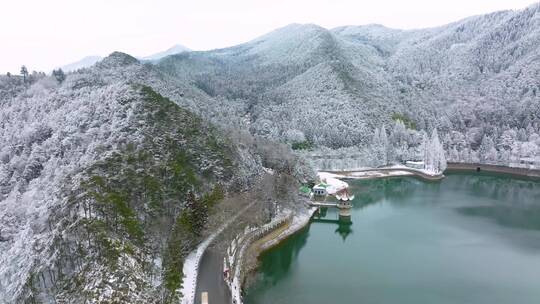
<point>197,213</point>
<point>386,151</point>
<point>425,150</point>
<point>434,156</point>
<point>380,147</point>
<point>59,75</point>
<point>438,151</point>
<point>487,151</point>
<point>24,73</point>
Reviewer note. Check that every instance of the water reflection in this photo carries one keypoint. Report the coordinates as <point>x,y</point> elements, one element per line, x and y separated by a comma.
<point>343,223</point>
<point>344,227</point>
<point>508,216</point>
<point>500,187</point>
<point>277,262</point>
<point>369,192</point>
<point>467,239</point>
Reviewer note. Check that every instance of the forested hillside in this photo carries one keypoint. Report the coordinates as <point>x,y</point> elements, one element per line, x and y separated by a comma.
<point>476,81</point>
<point>108,173</point>
<point>105,185</point>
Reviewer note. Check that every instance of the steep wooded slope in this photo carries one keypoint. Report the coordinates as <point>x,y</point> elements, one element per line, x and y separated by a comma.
<point>95,175</point>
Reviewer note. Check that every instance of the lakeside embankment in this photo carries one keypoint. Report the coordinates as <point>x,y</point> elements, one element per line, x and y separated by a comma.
<point>257,240</point>
<point>395,171</point>
<point>474,167</point>
<point>271,238</point>
<point>333,178</point>
<point>297,223</point>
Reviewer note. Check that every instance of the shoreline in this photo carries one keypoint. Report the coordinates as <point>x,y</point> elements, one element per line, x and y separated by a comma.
<point>297,223</point>
<point>190,267</point>
<point>282,232</point>
<point>372,173</point>
<point>301,221</point>
<point>475,167</point>
<point>349,174</point>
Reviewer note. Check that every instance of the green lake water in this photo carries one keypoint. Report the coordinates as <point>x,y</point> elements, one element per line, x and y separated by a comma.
<point>468,239</point>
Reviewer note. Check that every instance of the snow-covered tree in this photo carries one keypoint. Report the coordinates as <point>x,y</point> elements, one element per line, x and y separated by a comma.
<point>380,147</point>
<point>487,152</point>
<point>24,73</point>
<point>59,75</point>
<point>434,155</point>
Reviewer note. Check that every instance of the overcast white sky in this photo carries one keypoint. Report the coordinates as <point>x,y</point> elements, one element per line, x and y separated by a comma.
<point>47,33</point>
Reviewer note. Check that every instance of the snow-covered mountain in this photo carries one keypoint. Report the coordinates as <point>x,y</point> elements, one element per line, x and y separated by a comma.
<point>95,171</point>
<point>96,176</point>
<point>72,228</point>
<point>83,63</point>
<point>176,49</point>
<point>473,79</point>
<point>89,61</point>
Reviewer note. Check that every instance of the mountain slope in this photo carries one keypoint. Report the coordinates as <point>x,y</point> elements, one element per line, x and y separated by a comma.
<point>176,49</point>
<point>102,176</point>
<point>93,175</point>
<point>473,79</point>
<point>83,63</point>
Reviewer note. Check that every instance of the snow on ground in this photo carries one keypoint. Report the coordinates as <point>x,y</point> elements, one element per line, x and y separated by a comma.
<point>334,184</point>
<point>268,170</point>
<point>250,235</point>
<point>395,170</point>
<point>374,174</point>
<point>192,261</point>
<point>423,171</point>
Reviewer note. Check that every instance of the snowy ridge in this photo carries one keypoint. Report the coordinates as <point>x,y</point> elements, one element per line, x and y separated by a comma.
<point>353,97</point>
<point>474,81</point>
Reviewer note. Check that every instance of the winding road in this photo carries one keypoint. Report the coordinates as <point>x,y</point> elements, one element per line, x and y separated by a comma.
<point>210,279</point>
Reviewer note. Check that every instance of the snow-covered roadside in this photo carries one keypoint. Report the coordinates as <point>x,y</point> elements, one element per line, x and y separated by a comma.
<point>191,264</point>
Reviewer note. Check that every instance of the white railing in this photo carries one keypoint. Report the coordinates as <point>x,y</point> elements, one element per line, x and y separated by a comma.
<point>193,260</point>
<point>235,256</point>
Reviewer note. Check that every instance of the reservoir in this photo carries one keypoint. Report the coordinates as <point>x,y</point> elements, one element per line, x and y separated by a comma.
<point>471,238</point>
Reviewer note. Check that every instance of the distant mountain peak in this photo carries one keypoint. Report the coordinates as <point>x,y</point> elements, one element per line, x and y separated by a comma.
<point>175,49</point>
<point>118,59</point>
<point>296,29</point>
<point>302,26</point>
<point>85,62</point>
